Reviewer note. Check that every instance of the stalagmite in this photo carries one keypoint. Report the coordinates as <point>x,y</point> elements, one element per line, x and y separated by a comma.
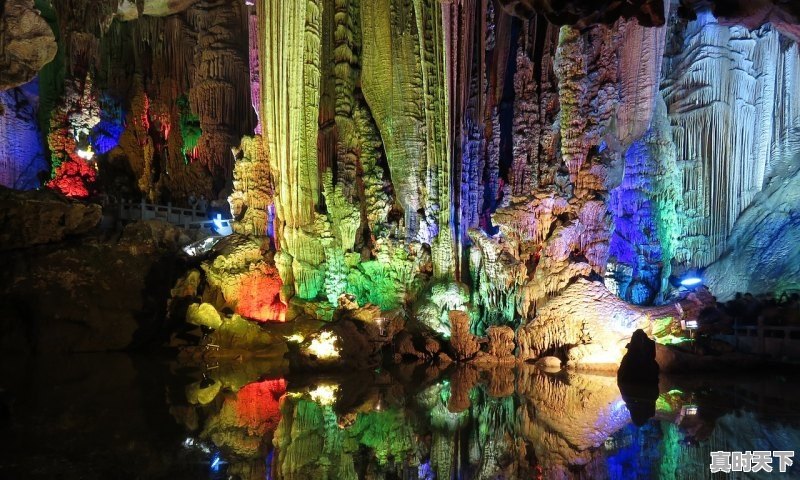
<point>290,52</point>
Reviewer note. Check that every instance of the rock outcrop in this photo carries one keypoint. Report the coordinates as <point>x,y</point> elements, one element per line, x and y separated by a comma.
<point>40,217</point>
<point>27,43</point>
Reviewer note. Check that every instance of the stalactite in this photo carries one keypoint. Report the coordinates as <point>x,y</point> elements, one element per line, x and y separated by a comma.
<point>252,188</point>
<point>22,156</point>
<point>640,56</point>
<point>525,166</point>
<point>253,39</point>
<point>571,70</point>
<point>377,202</point>
<point>221,68</point>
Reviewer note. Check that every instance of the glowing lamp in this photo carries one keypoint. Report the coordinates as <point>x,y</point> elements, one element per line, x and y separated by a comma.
<point>324,346</point>
<point>689,410</point>
<point>324,394</point>
<point>201,246</point>
<point>216,462</point>
<point>691,281</point>
<point>86,154</point>
<point>295,338</point>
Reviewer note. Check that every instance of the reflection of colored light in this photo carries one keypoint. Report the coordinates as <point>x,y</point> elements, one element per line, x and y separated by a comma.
<point>691,281</point>
<point>257,405</point>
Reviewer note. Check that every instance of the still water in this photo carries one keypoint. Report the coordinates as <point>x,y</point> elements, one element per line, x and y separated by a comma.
<point>122,417</point>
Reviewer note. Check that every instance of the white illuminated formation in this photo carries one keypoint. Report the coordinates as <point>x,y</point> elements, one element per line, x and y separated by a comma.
<point>324,394</point>
<point>86,154</point>
<point>691,281</point>
<point>324,346</point>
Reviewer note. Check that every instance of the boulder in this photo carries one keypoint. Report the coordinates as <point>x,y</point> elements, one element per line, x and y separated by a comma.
<point>639,363</point>
<point>203,314</point>
<point>41,216</point>
<point>84,296</point>
<point>27,43</point>
<point>549,363</point>
<point>501,341</point>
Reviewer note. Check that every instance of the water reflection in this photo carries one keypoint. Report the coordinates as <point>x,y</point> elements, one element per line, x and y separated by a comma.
<point>476,424</point>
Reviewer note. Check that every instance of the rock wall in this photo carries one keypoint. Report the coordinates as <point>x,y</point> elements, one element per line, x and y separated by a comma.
<point>727,91</point>
<point>22,157</point>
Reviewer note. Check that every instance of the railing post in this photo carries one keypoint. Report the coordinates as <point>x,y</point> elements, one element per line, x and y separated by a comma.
<point>761,342</point>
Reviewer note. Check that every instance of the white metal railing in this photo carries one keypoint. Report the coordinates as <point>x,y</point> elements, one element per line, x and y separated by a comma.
<point>772,340</point>
<point>191,219</point>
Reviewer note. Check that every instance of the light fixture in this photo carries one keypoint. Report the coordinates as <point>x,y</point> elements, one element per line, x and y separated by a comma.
<point>324,346</point>
<point>220,227</point>
<point>324,394</point>
<point>86,154</point>
<point>689,410</point>
<point>691,281</point>
<point>201,246</point>
<point>216,462</point>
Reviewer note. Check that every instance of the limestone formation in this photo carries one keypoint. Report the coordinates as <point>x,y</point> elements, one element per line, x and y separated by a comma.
<point>464,344</point>
<point>495,168</point>
<point>648,13</point>
<point>243,278</point>
<point>203,314</point>
<point>742,104</point>
<point>26,43</point>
